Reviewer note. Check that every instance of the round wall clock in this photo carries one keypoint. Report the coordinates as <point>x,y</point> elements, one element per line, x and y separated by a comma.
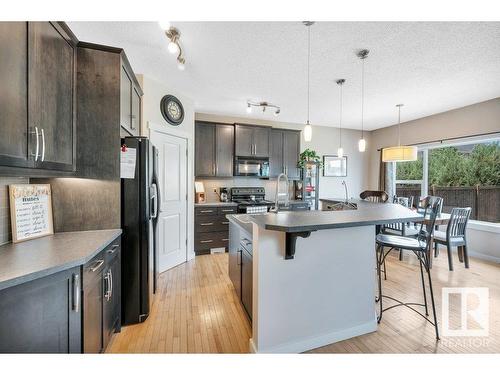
<point>172,110</point>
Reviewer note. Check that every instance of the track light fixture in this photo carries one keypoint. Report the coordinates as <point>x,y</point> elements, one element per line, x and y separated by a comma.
<point>264,106</point>
<point>174,47</point>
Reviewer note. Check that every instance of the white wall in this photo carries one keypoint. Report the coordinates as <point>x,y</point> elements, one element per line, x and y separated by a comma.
<point>324,142</point>
<point>151,114</point>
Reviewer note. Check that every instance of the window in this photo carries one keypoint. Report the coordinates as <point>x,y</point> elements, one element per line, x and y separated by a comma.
<point>464,174</point>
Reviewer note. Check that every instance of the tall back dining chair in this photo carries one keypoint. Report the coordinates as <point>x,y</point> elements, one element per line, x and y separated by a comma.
<point>378,196</point>
<point>455,235</point>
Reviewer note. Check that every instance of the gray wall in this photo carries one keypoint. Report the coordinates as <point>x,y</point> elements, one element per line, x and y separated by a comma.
<point>5,228</point>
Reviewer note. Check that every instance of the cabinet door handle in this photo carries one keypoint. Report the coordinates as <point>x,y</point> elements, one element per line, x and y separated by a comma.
<point>113,249</point>
<point>106,286</point>
<point>206,241</point>
<point>37,147</point>
<point>98,265</point>
<point>206,224</point>
<point>43,145</point>
<point>207,211</point>
<point>76,292</point>
<point>110,284</point>
<point>238,259</point>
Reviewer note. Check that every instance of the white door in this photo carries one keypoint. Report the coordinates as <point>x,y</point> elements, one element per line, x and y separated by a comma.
<point>172,215</point>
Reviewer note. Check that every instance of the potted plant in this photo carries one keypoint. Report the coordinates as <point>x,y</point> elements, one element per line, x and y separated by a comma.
<point>309,156</point>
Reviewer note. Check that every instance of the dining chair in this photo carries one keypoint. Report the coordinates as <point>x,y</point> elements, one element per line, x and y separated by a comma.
<point>378,196</point>
<point>455,235</point>
<point>420,246</point>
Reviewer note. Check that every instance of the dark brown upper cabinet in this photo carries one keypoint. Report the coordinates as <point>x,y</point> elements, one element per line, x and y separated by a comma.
<point>214,145</point>
<point>130,101</point>
<point>285,150</point>
<point>101,98</point>
<point>37,69</point>
<point>14,98</point>
<point>252,141</point>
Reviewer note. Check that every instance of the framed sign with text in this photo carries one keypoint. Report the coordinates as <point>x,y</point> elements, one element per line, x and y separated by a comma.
<point>30,211</point>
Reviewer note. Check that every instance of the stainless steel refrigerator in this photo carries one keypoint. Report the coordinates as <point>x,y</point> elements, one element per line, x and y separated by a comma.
<point>139,209</point>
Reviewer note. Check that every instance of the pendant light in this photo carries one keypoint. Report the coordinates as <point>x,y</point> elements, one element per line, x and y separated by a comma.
<point>363,54</point>
<point>340,151</point>
<point>308,127</point>
<point>399,153</point>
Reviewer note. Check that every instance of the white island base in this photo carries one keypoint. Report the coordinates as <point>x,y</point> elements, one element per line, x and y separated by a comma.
<point>324,295</point>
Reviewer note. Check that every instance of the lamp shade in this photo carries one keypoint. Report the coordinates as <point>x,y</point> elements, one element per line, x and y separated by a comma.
<point>308,133</point>
<point>399,153</point>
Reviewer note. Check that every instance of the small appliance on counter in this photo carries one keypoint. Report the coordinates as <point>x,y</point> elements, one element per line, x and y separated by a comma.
<point>199,189</point>
<point>251,200</point>
<point>224,194</point>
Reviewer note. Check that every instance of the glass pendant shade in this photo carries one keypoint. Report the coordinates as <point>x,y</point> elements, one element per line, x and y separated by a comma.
<point>399,153</point>
<point>362,145</point>
<point>340,152</point>
<point>308,133</point>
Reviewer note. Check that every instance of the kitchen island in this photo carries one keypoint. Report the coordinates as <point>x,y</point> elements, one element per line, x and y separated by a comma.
<point>313,279</point>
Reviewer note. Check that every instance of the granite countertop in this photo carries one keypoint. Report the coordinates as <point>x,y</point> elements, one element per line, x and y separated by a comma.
<point>215,204</point>
<point>302,221</point>
<point>30,260</point>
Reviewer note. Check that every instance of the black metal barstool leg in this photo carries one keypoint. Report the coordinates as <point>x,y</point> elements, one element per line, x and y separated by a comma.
<point>436,250</point>
<point>432,300</point>
<point>400,254</point>
<point>380,252</point>
<point>450,258</point>
<point>385,270</point>
<point>423,284</point>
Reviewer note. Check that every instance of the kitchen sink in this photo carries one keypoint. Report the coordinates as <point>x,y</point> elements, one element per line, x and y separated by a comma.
<point>341,206</point>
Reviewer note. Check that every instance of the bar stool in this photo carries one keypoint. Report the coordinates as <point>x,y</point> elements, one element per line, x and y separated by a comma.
<point>420,245</point>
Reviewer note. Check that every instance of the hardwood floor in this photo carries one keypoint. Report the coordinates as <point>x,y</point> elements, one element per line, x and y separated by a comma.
<point>197,311</point>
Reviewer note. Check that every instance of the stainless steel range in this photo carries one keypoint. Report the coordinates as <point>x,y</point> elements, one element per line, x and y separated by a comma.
<point>251,200</point>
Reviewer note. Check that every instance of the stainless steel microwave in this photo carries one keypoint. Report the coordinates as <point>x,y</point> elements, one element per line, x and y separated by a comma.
<point>252,167</point>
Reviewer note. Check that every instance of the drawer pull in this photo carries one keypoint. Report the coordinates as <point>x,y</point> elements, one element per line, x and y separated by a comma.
<point>113,249</point>
<point>225,222</point>
<point>206,224</point>
<point>227,210</point>
<point>225,239</point>
<point>206,241</point>
<point>206,211</point>
<point>98,265</point>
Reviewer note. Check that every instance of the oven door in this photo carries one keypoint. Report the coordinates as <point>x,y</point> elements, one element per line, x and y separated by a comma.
<point>252,167</point>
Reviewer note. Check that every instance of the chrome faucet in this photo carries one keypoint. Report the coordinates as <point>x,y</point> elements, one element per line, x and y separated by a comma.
<point>346,191</point>
<point>280,193</point>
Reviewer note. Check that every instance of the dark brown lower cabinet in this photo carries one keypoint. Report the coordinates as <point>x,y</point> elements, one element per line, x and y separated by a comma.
<point>101,299</point>
<point>246,280</point>
<point>211,228</point>
<point>43,315</point>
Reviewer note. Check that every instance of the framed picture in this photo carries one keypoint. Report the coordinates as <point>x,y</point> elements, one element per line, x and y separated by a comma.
<point>333,166</point>
<point>31,211</point>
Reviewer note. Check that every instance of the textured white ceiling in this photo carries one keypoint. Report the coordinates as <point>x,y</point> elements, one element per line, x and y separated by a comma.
<point>431,67</point>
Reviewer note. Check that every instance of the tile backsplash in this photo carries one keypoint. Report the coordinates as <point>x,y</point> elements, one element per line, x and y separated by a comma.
<point>5,229</point>
<point>269,185</point>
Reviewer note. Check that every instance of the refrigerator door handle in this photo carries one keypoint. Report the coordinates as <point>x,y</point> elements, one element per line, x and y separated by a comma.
<point>154,201</point>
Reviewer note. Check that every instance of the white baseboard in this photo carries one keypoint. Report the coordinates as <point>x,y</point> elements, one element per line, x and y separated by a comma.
<point>482,256</point>
<point>318,341</point>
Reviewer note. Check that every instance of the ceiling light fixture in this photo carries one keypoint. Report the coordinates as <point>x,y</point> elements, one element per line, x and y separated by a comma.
<point>264,106</point>
<point>399,153</point>
<point>340,151</point>
<point>362,54</point>
<point>174,47</point>
<point>308,127</point>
